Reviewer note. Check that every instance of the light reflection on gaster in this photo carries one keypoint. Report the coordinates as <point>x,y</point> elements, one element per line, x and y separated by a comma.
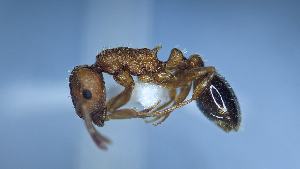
<point>218,97</point>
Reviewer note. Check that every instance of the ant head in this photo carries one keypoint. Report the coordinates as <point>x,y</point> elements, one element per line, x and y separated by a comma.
<point>87,89</point>
<point>219,104</point>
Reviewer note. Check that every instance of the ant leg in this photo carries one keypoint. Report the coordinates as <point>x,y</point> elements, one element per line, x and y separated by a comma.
<point>203,81</point>
<point>172,95</point>
<point>124,79</point>
<point>130,113</point>
<point>204,73</point>
<point>184,91</point>
<point>183,79</point>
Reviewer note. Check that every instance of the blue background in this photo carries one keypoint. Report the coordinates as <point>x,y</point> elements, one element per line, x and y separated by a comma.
<point>254,44</point>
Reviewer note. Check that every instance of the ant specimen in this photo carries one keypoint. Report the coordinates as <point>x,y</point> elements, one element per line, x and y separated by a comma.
<point>212,93</point>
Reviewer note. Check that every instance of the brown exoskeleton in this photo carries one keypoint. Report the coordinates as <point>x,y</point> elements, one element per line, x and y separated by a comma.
<point>213,94</point>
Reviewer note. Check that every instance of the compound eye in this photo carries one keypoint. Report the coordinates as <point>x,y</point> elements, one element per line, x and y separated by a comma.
<point>87,94</point>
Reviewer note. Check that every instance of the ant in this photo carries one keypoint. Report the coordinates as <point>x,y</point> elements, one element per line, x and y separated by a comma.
<point>213,95</point>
